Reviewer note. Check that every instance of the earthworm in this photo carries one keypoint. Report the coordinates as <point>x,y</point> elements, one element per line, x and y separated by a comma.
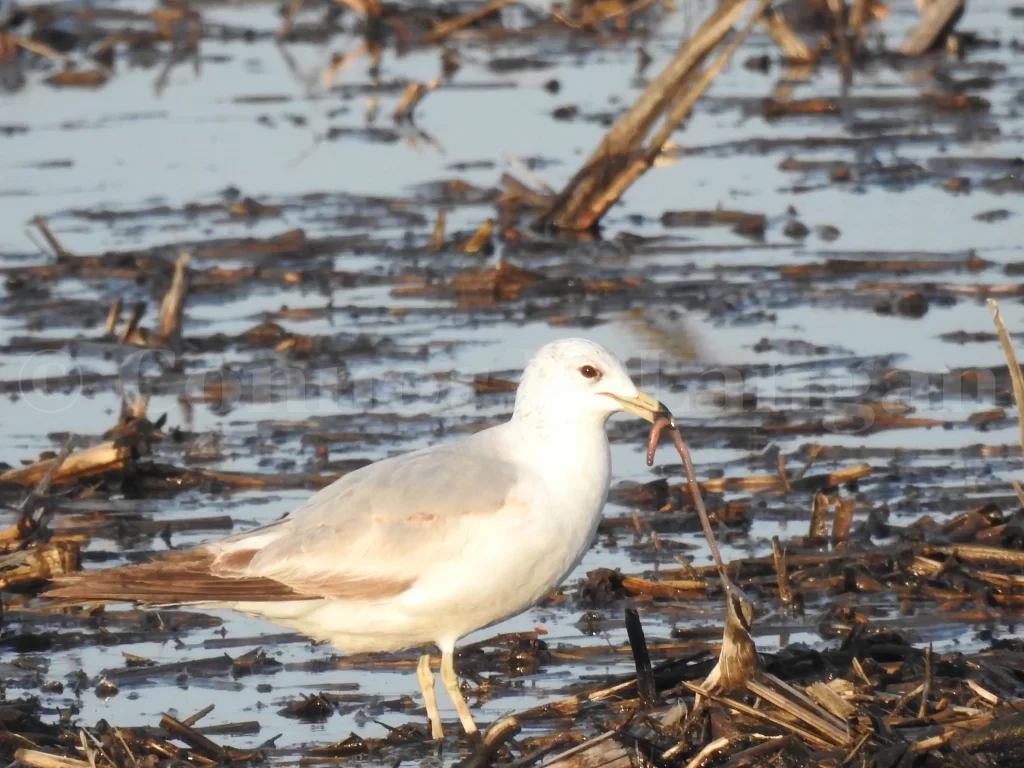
<point>666,421</point>
<point>655,435</point>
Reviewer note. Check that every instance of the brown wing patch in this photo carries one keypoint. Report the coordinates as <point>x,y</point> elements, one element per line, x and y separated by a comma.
<point>177,577</point>
<point>201,576</point>
<point>233,563</point>
<point>339,585</point>
<point>345,587</point>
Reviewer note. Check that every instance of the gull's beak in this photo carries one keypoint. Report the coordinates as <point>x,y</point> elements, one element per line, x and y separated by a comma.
<point>643,405</point>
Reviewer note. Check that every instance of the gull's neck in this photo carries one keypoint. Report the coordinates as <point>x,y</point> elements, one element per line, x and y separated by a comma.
<point>570,452</point>
<point>548,424</point>
<point>562,441</point>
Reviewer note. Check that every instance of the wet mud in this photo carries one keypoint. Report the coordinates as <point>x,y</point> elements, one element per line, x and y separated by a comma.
<point>246,249</point>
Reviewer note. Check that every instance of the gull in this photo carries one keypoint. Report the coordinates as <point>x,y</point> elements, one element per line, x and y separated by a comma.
<point>423,548</point>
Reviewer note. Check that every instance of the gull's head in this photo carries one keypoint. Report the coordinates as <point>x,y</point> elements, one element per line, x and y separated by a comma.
<point>576,379</point>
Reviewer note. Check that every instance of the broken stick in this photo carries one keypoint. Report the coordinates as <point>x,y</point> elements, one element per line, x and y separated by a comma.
<point>622,157</point>
<point>173,304</point>
<point>938,18</point>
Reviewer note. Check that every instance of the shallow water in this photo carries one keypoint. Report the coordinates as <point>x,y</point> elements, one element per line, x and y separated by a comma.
<point>125,149</point>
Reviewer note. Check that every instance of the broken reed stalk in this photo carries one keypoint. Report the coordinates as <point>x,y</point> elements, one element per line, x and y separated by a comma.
<point>797,704</point>
<point>294,6</point>
<point>646,686</point>
<point>1019,491</point>
<point>844,54</point>
<point>193,719</point>
<point>758,713</point>
<point>620,157</point>
<point>446,28</point>
<point>59,252</point>
<point>29,522</point>
<point>818,528</point>
<point>709,749</point>
<point>206,747</point>
<point>602,751</point>
<point>927,690</point>
<point>90,461</point>
<point>782,572</point>
<point>173,304</point>
<point>842,521</point>
<point>201,744</point>
<point>43,487</point>
<point>114,316</point>
<point>437,236</point>
<point>858,18</point>
<point>38,759</point>
<point>52,559</point>
<point>491,743</point>
<point>793,48</point>
<point>128,334</point>
<point>133,406</point>
<point>479,239</point>
<point>1011,362</point>
<point>783,474</point>
<point>937,20</point>
<point>36,47</point>
<point>370,8</point>
<point>411,97</point>
<point>738,662</point>
<point>639,166</point>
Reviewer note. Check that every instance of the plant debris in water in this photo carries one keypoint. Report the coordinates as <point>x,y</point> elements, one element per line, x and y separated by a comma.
<point>859,487</point>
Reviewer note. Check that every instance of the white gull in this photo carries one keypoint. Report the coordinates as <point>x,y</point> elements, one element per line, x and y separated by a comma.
<point>426,547</point>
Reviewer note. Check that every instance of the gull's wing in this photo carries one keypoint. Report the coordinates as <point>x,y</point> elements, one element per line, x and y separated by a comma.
<point>366,534</point>
<point>369,535</point>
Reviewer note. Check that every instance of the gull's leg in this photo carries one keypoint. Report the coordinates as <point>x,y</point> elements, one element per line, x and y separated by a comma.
<point>451,684</point>
<point>426,677</point>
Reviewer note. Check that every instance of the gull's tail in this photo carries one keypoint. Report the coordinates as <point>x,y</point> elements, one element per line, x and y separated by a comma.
<point>177,577</point>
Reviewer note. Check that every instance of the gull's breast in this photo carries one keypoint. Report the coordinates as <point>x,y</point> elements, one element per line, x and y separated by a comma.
<point>529,553</point>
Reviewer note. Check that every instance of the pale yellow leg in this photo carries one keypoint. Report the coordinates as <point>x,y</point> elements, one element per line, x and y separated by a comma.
<point>451,684</point>
<point>426,677</point>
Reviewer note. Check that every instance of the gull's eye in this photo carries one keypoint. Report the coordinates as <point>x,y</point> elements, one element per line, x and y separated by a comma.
<point>590,372</point>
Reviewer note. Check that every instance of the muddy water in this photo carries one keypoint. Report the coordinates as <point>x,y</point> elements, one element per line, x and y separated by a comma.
<point>117,168</point>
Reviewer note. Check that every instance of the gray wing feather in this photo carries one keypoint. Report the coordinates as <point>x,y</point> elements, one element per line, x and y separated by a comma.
<point>375,524</point>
